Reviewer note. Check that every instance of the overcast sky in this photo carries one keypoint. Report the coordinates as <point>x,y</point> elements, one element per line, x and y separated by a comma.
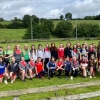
<point>48,8</point>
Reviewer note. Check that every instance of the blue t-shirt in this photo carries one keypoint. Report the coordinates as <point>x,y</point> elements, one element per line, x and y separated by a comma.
<point>67,65</point>
<point>2,68</point>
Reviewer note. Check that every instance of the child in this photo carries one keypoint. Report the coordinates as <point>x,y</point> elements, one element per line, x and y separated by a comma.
<point>92,66</point>
<point>75,67</point>
<point>51,65</point>
<point>23,69</point>
<point>67,65</point>
<point>2,71</point>
<point>47,56</point>
<point>83,65</point>
<point>61,51</point>
<point>39,68</point>
<point>99,65</point>
<point>60,67</point>
<point>13,70</point>
<point>31,67</point>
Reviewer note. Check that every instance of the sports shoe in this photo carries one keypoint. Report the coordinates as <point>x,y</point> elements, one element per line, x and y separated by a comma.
<point>90,76</point>
<point>12,81</point>
<point>71,77</point>
<point>5,81</point>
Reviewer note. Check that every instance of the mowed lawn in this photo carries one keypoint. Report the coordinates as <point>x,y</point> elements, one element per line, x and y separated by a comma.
<point>54,81</point>
<point>12,34</point>
<point>56,42</point>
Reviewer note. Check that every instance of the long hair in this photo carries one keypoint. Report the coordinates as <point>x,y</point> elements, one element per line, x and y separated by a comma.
<point>31,51</point>
<point>53,48</point>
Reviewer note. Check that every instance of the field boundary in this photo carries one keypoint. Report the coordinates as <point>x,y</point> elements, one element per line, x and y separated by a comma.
<point>16,93</point>
<point>49,40</point>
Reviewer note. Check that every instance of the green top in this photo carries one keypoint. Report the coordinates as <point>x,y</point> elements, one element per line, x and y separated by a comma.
<point>25,54</point>
<point>8,52</point>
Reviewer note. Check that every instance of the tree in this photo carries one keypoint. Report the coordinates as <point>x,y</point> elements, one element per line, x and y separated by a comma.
<point>61,17</point>
<point>87,30</point>
<point>68,16</point>
<point>63,29</point>
<point>1,19</point>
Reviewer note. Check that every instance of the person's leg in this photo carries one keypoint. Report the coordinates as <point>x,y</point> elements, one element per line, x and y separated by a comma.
<point>11,75</point>
<point>1,77</point>
<point>14,77</point>
<point>76,71</point>
<point>45,64</point>
<point>30,73</point>
<point>67,73</point>
<point>91,72</point>
<point>6,77</point>
<point>23,75</point>
<point>59,72</point>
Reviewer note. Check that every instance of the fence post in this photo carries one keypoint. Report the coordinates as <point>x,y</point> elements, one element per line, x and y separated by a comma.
<point>16,98</point>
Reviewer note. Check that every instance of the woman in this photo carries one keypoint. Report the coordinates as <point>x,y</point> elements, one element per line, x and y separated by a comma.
<point>75,51</point>
<point>47,56</point>
<point>60,67</point>
<point>23,69</point>
<point>40,52</point>
<point>13,70</point>
<point>51,65</point>
<point>33,52</point>
<point>3,73</point>
<point>54,51</point>
<point>17,54</point>
<point>31,68</point>
<point>68,51</point>
<point>75,67</point>
<point>61,51</point>
<point>25,53</point>
<point>39,68</point>
<point>92,66</point>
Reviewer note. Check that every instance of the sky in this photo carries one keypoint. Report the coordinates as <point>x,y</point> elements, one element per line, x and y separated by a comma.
<point>48,8</point>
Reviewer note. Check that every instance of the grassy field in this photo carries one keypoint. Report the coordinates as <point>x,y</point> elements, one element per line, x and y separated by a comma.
<point>19,33</point>
<point>13,34</point>
<point>43,43</point>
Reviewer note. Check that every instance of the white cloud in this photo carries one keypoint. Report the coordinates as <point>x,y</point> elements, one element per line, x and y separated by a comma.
<point>48,8</point>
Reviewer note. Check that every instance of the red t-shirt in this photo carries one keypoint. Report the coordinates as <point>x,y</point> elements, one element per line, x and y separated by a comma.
<point>61,52</point>
<point>59,64</point>
<point>39,67</point>
<point>18,51</point>
<point>23,63</point>
<point>31,63</point>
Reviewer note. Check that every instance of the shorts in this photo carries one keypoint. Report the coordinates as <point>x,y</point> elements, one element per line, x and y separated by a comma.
<point>1,75</point>
<point>14,75</point>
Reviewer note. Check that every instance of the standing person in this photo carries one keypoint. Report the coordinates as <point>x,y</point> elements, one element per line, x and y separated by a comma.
<point>40,52</point>
<point>75,67</point>
<point>25,53</point>
<point>78,49</point>
<point>33,52</point>
<point>92,66</point>
<point>83,66</point>
<point>8,54</point>
<point>68,51</point>
<point>67,65</point>
<point>98,50</point>
<point>47,56</point>
<point>23,68</point>
<point>54,51</point>
<point>31,68</point>
<point>3,73</point>
<point>1,52</point>
<point>51,65</point>
<point>60,67</point>
<point>61,51</point>
<point>13,70</point>
<point>17,54</point>
<point>84,51</point>
<point>75,51</point>
<point>39,68</point>
<point>91,51</point>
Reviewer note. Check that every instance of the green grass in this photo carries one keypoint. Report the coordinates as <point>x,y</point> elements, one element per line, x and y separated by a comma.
<point>43,43</point>
<point>79,21</point>
<point>12,34</point>
<point>5,22</point>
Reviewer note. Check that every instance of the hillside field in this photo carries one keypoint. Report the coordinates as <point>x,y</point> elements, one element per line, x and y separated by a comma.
<point>17,34</point>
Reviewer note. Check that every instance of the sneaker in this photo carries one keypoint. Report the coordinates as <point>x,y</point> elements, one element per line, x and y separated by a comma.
<point>12,81</point>
<point>5,81</point>
<point>59,77</point>
<point>90,76</point>
<point>30,78</point>
<point>71,77</point>
<point>24,80</point>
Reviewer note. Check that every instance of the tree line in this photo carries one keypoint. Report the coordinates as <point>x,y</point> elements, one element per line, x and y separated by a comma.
<point>43,28</point>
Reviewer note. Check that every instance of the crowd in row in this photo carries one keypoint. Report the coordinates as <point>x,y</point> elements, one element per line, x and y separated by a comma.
<point>38,62</point>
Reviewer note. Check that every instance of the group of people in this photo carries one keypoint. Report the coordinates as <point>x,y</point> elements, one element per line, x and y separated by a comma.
<point>50,61</point>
